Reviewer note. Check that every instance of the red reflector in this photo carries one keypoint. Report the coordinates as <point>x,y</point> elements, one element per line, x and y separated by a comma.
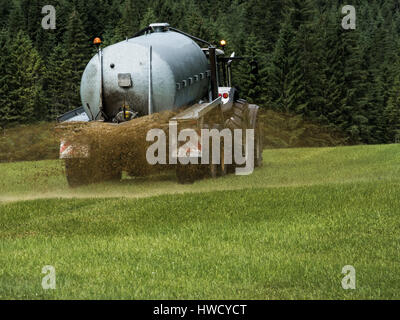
<point>225,95</point>
<point>220,95</point>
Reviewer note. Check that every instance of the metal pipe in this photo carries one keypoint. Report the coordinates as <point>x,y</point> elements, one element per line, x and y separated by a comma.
<point>191,37</point>
<point>150,80</point>
<point>101,108</point>
<point>229,75</point>
<point>139,33</point>
<point>214,73</point>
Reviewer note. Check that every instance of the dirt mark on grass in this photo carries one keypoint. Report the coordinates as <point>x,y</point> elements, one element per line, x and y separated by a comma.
<point>164,190</point>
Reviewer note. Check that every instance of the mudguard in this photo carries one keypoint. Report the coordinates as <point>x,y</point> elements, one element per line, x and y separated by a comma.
<point>76,115</point>
<point>253,112</point>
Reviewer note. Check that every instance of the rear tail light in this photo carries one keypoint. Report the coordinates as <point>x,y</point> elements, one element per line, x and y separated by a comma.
<point>225,95</point>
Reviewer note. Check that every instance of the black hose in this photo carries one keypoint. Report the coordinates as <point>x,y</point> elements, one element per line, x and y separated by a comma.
<point>192,37</point>
<point>137,34</point>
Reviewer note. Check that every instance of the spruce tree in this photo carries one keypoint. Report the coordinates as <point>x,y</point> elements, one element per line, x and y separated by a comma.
<point>32,17</point>
<point>148,18</point>
<point>78,52</point>
<point>380,55</point>
<point>345,90</point>
<point>264,19</point>
<point>4,77</point>
<point>25,70</point>
<point>16,19</point>
<point>252,71</point>
<point>291,69</point>
<point>61,86</point>
<point>301,58</point>
<point>235,34</point>
<point>77,44</point>
<point>166,11</point>
<point>194,23</point>
<point>5,9</point>
<point>279,67</point>
<point>392,113</point>
<point>132,12</point>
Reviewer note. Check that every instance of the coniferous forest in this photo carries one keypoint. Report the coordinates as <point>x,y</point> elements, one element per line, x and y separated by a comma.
<point>308,64</point>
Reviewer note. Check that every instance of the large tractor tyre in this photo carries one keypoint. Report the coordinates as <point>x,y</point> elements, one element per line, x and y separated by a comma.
<point>221,169</point>
<point>113,171</point>
<point>238,121</point>
<point>239,116</point>
<point>114,174</point>
<point>213,171</point>
<point>81,172</point>
<point>78,172</point>
<point>258,145</point>
<point>186,174</point>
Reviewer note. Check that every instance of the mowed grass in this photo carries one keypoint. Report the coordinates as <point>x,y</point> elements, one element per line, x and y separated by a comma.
<point>283,233</point>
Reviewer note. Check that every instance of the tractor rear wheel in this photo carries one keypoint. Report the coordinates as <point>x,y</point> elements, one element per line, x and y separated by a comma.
<point>238,121</point>
<point>239,118</point>
<point>186,174</point>
<point>258,145</point>
<point>221,169</point>
<point>81,172</point>
<point>78,172</point>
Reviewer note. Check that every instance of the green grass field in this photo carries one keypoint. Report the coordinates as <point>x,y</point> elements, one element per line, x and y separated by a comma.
<point>284,232</point>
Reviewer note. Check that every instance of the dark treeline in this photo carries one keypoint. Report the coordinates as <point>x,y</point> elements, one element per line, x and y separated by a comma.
<point>308,64</point>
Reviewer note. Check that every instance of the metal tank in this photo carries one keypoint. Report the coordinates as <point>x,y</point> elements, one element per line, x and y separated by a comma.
<point>157,71</point>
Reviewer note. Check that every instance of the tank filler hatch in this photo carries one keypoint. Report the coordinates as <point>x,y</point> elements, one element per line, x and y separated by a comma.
<point>159,27</point>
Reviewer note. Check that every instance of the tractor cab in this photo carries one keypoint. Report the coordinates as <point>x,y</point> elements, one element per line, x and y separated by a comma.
<point>223,73</point>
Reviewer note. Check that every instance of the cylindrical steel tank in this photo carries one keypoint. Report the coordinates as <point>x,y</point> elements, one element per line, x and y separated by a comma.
<point>166,67</point>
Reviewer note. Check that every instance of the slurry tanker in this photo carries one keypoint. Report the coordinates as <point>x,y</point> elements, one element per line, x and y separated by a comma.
<point>159,69</point>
